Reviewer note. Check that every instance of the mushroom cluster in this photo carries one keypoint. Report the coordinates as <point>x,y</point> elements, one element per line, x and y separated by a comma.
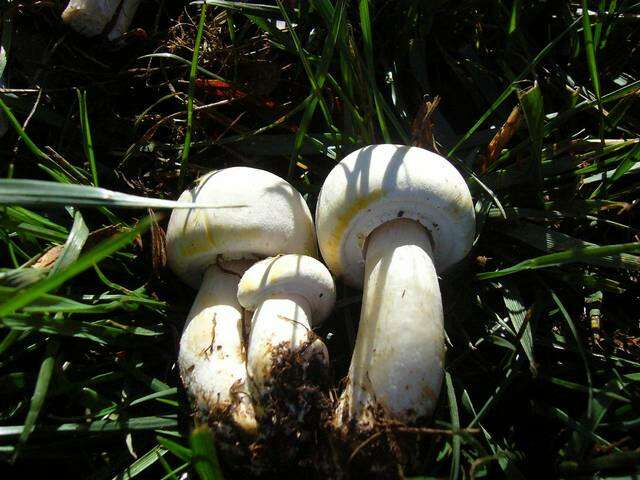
<point>388,219</point>
<point>255,215</point>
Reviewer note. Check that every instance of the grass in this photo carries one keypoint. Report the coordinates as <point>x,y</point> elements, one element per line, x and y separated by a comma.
<point>542,320</point>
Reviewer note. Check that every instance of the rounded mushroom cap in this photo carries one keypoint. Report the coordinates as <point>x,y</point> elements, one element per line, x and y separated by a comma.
<point>289,274</point>
<point>258,214</point>
<point>379,183</point>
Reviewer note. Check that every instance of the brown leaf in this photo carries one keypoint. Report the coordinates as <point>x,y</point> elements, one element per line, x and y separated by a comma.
<point>158,245</point>
<point>422,126</point>
<point>49,257</point>
<point>502,138</point>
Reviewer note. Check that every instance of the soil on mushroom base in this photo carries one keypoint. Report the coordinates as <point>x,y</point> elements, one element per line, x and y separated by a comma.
<point>382,450</point>
<point>293,427</point>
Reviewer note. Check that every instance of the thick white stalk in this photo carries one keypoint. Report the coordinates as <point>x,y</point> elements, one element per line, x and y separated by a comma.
<point>212,358</point>
<point>397,364</point>
<point>93,17</point>
<point>280,328</point>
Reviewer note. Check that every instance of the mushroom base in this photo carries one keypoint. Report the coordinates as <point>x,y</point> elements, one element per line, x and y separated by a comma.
<point>295,407</point>
<point>237,450</point>
<point>383,448</point>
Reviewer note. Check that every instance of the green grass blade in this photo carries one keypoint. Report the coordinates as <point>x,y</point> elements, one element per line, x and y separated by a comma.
<point>39,394</point>
<point>98,426</point>
<point>86,261</point>
<point>321,76</point>
<point>184,61</point>
<point>367,40</point>
<point>73,246</point>
<point>578,254</point>
<point>192,85</point>
<point>87,140</point>
<point>455,425</point>
<point>580,347</point>
<point>205,459</point>
<point>142,463</point>
<point>45,194</point>
<point>519,317</point>
<point>590,49</point>
<point>550,241</point>
<point>183,453</point>
<point>533,108</point>
<point>244,7</point>
<point>26,139</point>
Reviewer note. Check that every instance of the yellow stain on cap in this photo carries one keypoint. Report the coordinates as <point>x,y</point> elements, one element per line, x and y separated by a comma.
<point>331,250</point>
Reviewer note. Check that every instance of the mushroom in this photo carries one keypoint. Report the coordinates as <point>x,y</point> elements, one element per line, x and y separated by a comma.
<point>97,17</point>
<point>289,294</point>
<point>388,218</point>
<point>258,214</point>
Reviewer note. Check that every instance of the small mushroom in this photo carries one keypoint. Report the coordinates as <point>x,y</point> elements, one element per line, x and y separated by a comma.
<point>100,17</point>
<point>389,218</point>
<point>257,214</point>
<point>289,294</point>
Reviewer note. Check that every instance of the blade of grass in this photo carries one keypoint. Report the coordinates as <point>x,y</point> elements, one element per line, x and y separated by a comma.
<point>184,61</point>
<point>183,453</point>
<point>367,41</point>
<point>549,241</point>
<point>578,254</point>
<point>204,459</point>
<point>44,194</point>
<point>142,463</point>
<point>86,136</point>
<point>86,261</point>
<point>519,317</point>
<point>98,426</point>
<point>533,108</point>
<point>321,76</point>
<point>455,425</point>
<point>592,64</point>
<point>192,85</point>
<point>39,395</point>
<point>243,7</point>
<point>307,67</point>
<point>73,246</point>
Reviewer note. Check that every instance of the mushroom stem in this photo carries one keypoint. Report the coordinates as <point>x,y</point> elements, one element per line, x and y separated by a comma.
<point>212,357</point>
<point>396,368</point>
<point>280,330</point>
<point>96,17</point>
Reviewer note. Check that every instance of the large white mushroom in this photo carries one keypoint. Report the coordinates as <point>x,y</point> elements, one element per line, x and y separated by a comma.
<point>258,214</point>
<point>389,218</point>
<point>100,17</point>
<point>289,295</point>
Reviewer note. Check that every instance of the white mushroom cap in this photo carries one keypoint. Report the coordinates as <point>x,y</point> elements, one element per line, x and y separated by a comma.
<point>289,275</point>
<point>259,214</point>
<point>379,183</point>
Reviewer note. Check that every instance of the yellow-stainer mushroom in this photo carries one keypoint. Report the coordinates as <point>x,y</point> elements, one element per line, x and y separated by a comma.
<point>100,17</point>
<point>287,363</point>
<point>258,214</point>
<point>288,294</point>
<point>388,218</point>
